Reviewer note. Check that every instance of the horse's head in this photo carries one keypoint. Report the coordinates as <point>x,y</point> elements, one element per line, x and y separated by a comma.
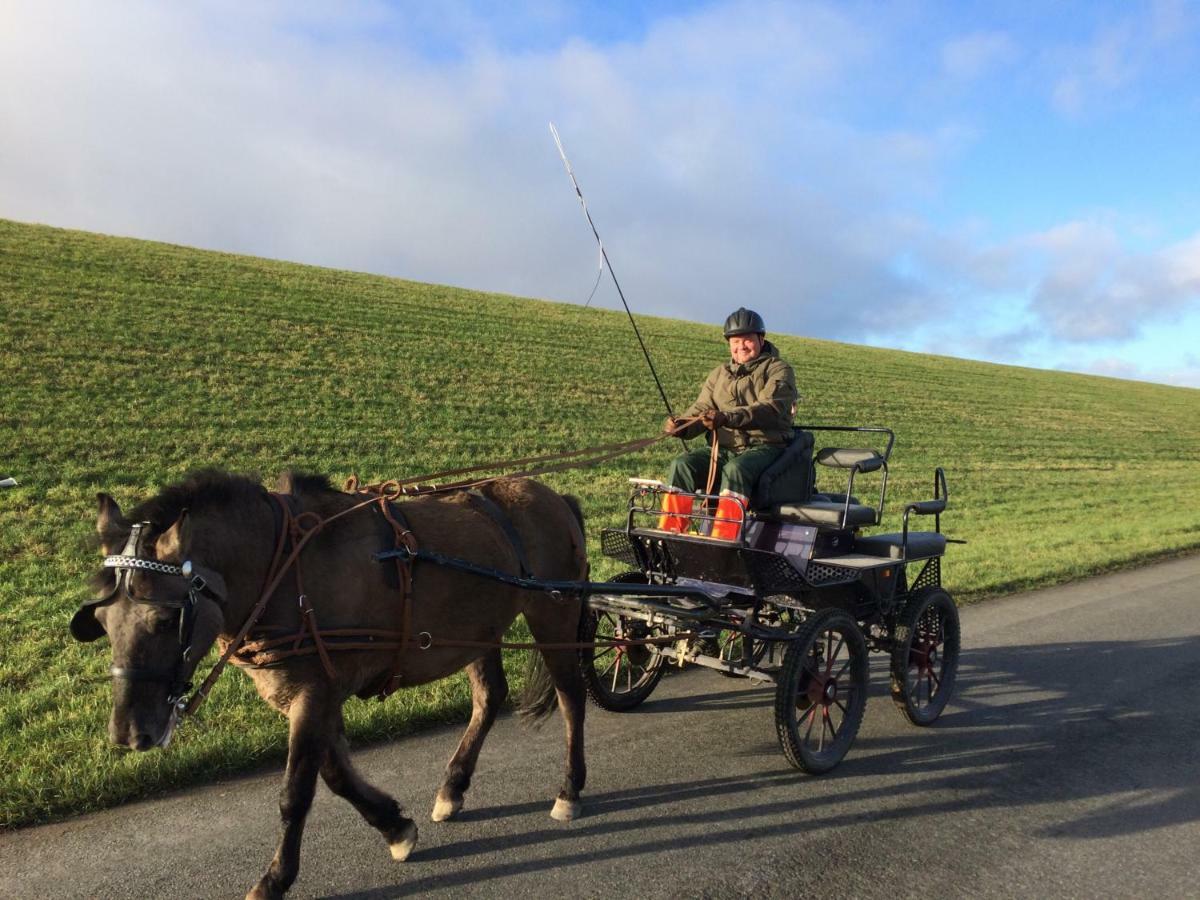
<point>161,612</point>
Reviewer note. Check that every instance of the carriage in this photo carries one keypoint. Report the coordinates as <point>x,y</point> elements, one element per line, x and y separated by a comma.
<point>798,600</point>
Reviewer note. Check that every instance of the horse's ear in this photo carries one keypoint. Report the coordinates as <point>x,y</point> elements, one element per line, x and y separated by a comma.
<point>110,524</point>
<point>170,542</point>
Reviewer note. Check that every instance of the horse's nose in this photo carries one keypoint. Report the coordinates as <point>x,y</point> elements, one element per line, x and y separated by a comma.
<point>142,741</point>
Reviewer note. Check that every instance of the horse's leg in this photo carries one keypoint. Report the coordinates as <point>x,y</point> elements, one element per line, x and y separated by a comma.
<point>379,809</point>
<point>554,621</point>
<point>489,687</point>
<point>310,734</point>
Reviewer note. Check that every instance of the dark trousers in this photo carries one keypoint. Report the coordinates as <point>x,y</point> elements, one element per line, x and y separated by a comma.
<point>736,472</point>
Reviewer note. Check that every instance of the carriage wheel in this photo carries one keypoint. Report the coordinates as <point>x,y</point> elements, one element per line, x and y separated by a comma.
<point>925,655</point>
<point>619,678</point>
<point>822,691</point>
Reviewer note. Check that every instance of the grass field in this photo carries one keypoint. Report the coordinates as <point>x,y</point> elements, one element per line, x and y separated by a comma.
<point>126,364</point>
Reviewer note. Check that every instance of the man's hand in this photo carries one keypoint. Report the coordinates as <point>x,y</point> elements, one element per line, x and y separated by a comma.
<point>670,425</point>
<point>713,419</point>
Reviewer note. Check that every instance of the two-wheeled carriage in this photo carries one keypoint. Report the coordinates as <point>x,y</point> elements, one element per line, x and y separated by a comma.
<point>798,599</point>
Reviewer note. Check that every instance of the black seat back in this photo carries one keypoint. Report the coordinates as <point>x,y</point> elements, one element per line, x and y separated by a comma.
<point>790,478</point>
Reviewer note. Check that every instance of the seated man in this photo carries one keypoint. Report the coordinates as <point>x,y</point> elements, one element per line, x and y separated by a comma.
<point>747,404</point>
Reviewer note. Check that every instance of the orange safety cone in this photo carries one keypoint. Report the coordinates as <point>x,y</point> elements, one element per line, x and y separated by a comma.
<point>677,509</point>
<point>730,515</point>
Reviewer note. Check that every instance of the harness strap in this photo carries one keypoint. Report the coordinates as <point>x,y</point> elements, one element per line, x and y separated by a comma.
<point>486,505</point>
<point>271,651</point>
<point>403,538</point>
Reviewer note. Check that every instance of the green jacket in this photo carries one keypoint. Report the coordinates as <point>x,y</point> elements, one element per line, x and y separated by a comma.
<point>759,398</point>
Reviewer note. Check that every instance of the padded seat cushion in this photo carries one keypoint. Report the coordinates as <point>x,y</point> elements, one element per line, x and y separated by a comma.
<point>920,544</point>
<point>817,512</point>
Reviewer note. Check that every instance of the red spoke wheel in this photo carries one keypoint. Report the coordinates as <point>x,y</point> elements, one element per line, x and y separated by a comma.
<point>925,655</point>
<point>619,678</point>
<point>822,691</point>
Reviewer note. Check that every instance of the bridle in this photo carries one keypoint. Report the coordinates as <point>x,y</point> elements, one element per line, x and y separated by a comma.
<point>126,563</point>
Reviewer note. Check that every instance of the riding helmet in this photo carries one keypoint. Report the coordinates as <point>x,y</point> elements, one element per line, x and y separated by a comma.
<point>744,321</point>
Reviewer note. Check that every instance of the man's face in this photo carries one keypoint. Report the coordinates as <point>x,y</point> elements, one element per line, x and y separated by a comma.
<point>745,347</point>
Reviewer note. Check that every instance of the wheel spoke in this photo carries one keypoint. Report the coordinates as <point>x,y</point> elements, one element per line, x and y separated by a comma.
<point>833,731</point>
<point>615,662</point>
<point>811,715</point>
<point>836,650</point>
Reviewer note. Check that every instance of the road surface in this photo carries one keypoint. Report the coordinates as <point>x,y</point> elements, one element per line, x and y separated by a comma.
<point>1067,765</point>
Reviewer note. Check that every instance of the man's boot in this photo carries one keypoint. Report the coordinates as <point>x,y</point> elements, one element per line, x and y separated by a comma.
<point>728,523</point>
<point>677,511</point>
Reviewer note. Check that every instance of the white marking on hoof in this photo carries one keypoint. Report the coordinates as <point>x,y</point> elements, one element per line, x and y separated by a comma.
<point>445,810</point>
<point>403,847</point>
<point>566,810</point>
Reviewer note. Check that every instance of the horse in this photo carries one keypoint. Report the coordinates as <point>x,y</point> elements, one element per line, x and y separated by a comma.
<point>186,570</point>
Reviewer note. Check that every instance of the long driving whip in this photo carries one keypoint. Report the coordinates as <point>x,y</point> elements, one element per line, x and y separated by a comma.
<point>608,265</point>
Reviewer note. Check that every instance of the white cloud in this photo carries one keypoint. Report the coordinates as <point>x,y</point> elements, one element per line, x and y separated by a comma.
<point>1142,42</point>
<point>1091,288</point>
<point>972,55</point>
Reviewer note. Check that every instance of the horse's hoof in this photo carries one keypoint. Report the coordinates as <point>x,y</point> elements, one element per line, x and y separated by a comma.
<point>403,845</point>
<point>566,810</point>
<point>263,891</point>
<point>445,810</point>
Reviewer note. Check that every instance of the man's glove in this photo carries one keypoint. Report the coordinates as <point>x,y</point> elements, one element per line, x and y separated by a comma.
<point>714,419</point>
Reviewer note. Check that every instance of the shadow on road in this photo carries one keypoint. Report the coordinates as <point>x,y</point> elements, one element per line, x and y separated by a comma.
<point>1111,723</point>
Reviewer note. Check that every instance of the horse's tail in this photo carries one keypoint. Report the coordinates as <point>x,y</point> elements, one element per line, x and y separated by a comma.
<point>539,698</point>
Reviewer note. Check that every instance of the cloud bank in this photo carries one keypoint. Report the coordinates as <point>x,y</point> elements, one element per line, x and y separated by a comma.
<point>732,155</point>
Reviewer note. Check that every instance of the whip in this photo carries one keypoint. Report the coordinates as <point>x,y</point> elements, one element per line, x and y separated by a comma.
<point>604,263</point>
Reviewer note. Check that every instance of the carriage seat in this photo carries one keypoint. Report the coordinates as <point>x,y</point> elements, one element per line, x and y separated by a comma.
<point>920,544</point>
<point>825,513</point>
<point>785,490</point>
<point>790,478</point>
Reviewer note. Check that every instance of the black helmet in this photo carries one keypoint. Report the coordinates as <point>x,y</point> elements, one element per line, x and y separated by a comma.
<point>744,321</point>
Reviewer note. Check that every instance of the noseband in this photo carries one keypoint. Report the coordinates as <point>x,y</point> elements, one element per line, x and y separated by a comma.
<point>131,559</point>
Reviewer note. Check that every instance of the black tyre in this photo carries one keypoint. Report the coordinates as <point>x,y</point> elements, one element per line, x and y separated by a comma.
<point>619,678</point>
<point>822,691</point>
<point>925,655</point>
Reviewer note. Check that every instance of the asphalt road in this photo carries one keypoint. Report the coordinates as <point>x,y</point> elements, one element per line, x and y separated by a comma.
<point>1067,766</point>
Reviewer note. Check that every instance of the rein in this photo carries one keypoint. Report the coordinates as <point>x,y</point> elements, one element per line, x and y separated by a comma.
<point>592,455</point>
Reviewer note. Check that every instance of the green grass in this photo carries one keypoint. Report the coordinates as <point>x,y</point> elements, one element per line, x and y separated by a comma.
<point>126,364</point>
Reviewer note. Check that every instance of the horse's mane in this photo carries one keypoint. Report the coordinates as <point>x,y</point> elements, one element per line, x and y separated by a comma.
<point>300,483</point>
<point>207,487</point>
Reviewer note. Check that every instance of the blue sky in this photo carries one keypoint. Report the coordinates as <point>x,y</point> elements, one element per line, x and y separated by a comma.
<point>1013,182</point>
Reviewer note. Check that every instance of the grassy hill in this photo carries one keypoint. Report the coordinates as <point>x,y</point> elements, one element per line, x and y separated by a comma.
<point>126,364</point>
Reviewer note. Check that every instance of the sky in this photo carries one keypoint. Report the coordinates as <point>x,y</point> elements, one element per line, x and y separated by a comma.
<point>1008,181</point>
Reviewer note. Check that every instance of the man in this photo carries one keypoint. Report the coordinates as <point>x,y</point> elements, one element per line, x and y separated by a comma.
<point>747,405</point>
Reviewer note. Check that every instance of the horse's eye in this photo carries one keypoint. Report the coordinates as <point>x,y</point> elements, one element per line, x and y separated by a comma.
<point>164,624</point>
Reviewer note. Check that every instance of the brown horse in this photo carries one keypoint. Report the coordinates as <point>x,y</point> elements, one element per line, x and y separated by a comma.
<point>161,620</point>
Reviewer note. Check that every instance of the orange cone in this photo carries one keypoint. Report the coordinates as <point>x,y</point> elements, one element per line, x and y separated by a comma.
<point>728,523</point>
<point>678,510</point>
